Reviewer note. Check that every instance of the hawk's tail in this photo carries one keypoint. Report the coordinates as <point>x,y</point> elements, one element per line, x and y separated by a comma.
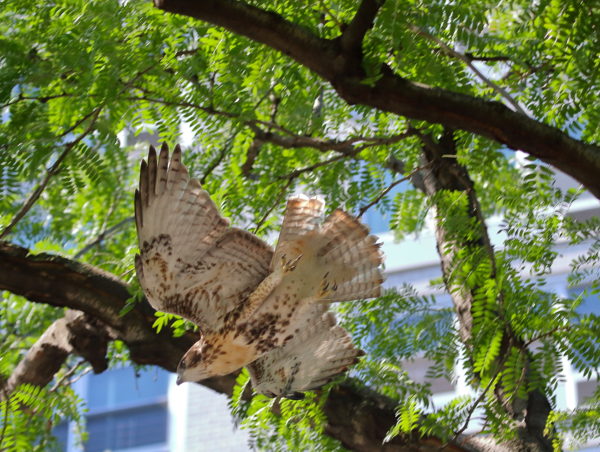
<point>339,259</point>
<point>353,258</point>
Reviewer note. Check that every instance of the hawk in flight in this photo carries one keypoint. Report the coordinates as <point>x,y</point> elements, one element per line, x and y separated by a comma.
<point>256,307</point>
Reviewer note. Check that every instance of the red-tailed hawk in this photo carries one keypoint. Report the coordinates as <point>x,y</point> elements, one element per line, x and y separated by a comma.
<point>256,308</point>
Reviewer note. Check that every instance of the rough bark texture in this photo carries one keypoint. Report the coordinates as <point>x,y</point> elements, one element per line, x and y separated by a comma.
<point>445,173</point>
<point>340,62</point>
<point>357,417</point>
<point>75,333</point>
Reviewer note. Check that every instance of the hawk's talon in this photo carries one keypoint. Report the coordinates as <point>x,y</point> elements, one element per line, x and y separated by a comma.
<point>290,265</point>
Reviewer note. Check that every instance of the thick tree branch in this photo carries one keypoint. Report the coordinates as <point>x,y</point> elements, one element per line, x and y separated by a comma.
<point>395,94</point>
<point>262,26</point>
<point>62,282</point>
<point>77,333</point>
<point>352,37</point>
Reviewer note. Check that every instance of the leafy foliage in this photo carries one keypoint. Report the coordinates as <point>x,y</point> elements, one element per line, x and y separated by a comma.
<point>281,424</point>
<point>83,84</point>
<point>30,413</point>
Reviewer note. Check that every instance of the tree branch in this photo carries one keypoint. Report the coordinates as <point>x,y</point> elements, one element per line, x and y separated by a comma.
<point>389,188</point>
<point>445,174</point>
<point>308,169</point>
<point>468,61</point>
<point>260,25</point>
<point>280,196</point>
<point>103,235</point>
<point>349,148</point>
<point>352,37</point>
<point>76,333</point>
<point>398,95</point>
<point>60,282</point>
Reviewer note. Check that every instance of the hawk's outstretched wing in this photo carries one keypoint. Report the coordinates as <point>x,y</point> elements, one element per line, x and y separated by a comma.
<point>191,263</point>
<point>319,352</point>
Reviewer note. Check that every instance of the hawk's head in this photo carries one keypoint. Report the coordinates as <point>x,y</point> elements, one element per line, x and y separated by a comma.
<point>212,356</point>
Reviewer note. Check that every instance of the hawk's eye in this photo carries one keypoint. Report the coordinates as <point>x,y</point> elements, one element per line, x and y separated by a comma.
<point>182,364</point>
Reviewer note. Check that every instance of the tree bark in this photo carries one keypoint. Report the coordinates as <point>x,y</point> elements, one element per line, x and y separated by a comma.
<point>444,173</point>
<point>75,333</point>
<point>340,62</point>
<point>358,417</point>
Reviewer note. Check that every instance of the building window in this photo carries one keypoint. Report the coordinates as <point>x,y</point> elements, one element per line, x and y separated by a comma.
<point>125,429</point>
<point>127,409</point>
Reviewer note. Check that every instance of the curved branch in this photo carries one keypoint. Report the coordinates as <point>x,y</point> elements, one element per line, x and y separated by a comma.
<point>262,26</point>
<point>60,282</point>
<point>469,62</point>
<point>398,95</point>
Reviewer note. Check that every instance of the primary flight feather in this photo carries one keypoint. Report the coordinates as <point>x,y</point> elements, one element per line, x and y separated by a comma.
<point>255,307</point>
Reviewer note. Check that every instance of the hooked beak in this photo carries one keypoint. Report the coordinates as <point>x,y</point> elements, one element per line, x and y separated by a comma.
<point>179,375</point>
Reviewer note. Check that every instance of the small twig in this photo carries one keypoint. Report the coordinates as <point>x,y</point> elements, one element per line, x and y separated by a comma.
<point>390,187</point>
<point>103,235</point>
<point>67,374</point>
<point>478,401</point>
<point>42,99</point>
<point>256,145</point>
<point>80,376</point>
<point>275,204</point>
<point>186,52</point>
<point>548,333</point>
<point>298,172</point>
<point>468,61</point>
<point>52,171</point>
<point>487,59</point>
<point>207,110</point>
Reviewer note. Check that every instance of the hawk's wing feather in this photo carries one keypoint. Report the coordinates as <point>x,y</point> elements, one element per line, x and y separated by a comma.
<point>354,258</point>
<point>191,263</point>
<point>320,352</point>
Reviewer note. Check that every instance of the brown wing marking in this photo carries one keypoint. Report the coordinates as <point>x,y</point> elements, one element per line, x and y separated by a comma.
<point>313,357</point>
<point>191,263</point>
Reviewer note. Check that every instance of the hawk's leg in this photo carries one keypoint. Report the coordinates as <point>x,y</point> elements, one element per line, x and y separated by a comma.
<point>289,266</point>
